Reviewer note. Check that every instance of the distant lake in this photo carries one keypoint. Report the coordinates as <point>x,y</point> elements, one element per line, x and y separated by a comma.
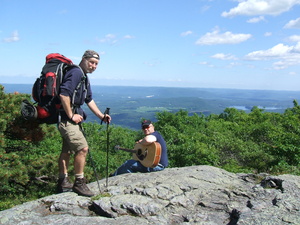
<point>244,108</point>
<point>131,104</point>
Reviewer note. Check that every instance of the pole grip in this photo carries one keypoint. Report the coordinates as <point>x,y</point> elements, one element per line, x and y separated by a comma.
<point>106,112</point>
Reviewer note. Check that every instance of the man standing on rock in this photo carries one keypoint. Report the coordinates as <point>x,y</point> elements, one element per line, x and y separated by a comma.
<point>72,116</point>
<point>133,166</point>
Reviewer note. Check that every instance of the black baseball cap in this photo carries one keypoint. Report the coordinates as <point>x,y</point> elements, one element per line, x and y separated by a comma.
<point>146,123</point>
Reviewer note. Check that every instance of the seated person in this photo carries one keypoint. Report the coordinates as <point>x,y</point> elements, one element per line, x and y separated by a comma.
<point>134,166</point>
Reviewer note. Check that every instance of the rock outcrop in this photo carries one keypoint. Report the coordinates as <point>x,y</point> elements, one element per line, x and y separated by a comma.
<point>189,195</point>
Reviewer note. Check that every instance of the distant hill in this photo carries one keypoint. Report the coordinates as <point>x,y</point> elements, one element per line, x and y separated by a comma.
<point>130,104</point>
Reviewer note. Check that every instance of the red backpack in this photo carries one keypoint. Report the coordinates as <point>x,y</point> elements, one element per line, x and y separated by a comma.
<point>45,90</point>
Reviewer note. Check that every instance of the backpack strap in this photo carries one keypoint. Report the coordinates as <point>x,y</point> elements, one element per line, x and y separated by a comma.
<point>83,81</point>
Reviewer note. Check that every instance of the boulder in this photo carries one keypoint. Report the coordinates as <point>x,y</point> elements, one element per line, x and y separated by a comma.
<point>188,195</point>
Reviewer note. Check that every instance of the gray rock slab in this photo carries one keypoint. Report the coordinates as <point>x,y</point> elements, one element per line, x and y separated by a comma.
<point>188,195</point>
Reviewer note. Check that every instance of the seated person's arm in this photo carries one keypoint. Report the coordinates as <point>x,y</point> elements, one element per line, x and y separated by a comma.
<point>147,140</point>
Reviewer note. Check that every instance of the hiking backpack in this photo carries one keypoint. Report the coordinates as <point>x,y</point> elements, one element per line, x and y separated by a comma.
<point>46,88</point>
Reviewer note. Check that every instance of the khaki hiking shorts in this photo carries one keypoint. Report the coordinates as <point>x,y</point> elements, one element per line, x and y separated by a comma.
<point>73,137</point>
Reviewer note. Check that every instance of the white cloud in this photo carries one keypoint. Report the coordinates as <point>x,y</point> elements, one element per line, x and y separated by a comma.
<point>287,62</point>
<point>256,19</point>
<point>203,63</point>
<point>294,38</point>
<point>233,64</point>
<point>206,64</point>
<point>276,51</point>
<point>113,39</point>
<point>110,38</point>
<point>268,34</point>
<point>261,7</point>
<point>297,48</point>
<point>128,36</point>
<point>223,56</point>
<point>205,8</point>
<point>13,38</point>
<point>293,24</point>
<point>186,33</point>
<point>215,38</point>
<point>287,55</point>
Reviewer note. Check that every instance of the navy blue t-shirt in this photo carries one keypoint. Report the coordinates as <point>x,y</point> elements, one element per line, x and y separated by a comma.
<point>164,152</point>
<point>69,85</point>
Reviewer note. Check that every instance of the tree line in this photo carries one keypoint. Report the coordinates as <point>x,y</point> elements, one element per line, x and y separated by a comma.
<point>255,142</point>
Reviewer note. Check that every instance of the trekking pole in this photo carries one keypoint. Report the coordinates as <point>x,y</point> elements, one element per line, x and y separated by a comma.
<point>107,143</point>
<point>91,159</point>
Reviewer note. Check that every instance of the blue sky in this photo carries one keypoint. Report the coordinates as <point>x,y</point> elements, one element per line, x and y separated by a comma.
<point>244,44</point>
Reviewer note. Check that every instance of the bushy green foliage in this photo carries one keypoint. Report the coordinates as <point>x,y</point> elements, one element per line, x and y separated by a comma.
<point>234,140</point>
<point>255,142</point>
<point>26,163</point>
<point>185,139</point>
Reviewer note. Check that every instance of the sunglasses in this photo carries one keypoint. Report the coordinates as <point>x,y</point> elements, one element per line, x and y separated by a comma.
<point>146,127</point>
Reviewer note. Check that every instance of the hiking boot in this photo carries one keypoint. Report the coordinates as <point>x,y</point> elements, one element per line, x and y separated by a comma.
<point>81,188</point>
<point>64,185</point>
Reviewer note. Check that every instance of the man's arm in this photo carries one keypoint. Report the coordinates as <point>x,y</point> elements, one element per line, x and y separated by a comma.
<point>66,103</point>
<point>94,108</point>
<point>149,139</point>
